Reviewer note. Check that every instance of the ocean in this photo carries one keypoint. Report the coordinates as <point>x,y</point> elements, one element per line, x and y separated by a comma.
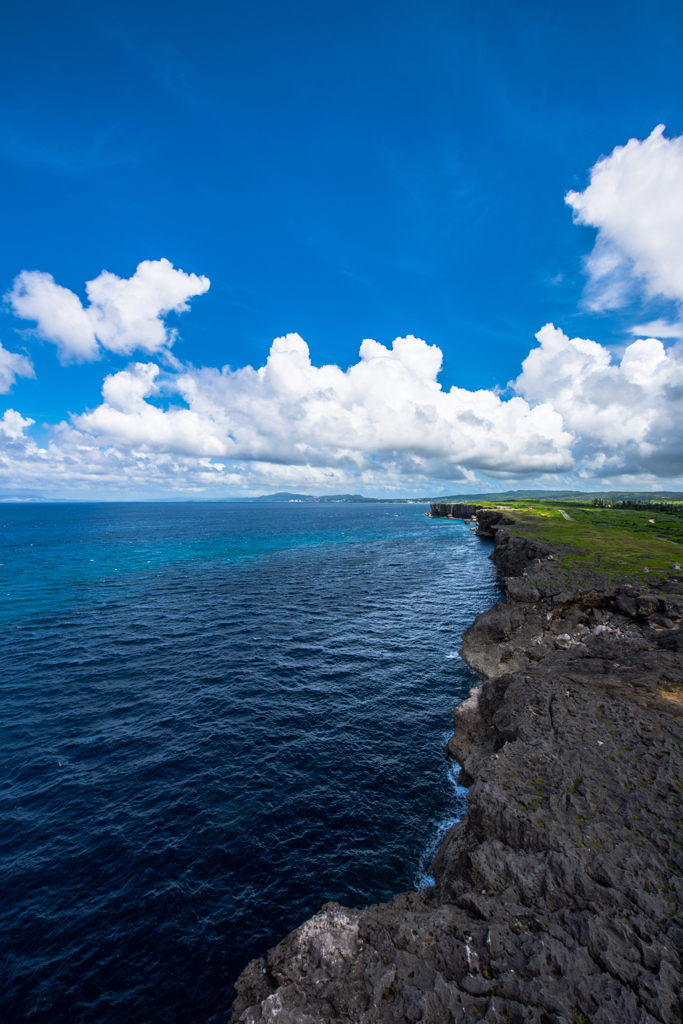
<point>215,718</point>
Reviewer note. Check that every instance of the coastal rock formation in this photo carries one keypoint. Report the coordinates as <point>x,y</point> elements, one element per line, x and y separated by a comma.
<point>448,511</point>
<point>558,900</point>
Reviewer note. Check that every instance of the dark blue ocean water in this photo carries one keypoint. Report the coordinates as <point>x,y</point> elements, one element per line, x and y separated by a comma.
<point>215,718</point>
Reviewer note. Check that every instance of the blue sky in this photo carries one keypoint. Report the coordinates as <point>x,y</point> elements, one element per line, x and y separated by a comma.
<point>339,171</point>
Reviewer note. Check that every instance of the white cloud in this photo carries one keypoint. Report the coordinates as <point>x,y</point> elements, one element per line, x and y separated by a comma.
<point>387,409</point>
<point>627,417</point>
<point>60,316</point>
<point>13,365</point>
<point>125,420</point>
<point>659,328</point>
<point>13,425</point>
<point>124,315</point>
<point>385,425</point>
<point>635,199</point>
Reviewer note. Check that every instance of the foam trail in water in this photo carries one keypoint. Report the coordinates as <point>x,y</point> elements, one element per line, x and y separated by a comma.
<point>423,876</point>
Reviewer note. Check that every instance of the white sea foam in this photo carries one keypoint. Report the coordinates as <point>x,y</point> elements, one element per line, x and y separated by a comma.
<point>423,876</point>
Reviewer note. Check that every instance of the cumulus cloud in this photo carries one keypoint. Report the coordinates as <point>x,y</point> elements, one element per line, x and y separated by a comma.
<point>626,417</point>
<point>123,315</point>
<point>13,365</point>
<point>385,425</point>
<point>635,199</point>
<point>385,409</point>
<point>13,425</point>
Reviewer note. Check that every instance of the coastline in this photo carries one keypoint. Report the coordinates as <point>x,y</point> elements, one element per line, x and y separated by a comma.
<point>558,898</point>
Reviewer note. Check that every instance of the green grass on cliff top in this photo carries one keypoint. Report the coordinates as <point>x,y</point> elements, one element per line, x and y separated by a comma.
<point>623,541</point>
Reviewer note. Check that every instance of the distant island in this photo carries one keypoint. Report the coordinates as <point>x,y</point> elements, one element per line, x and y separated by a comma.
<point>287,496</point>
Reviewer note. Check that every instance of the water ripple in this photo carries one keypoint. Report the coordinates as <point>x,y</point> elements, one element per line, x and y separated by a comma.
<point>215,718</point>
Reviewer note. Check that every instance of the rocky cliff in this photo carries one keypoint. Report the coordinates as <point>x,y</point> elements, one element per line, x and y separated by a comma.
<point>450,511</point>
<point>558,898</point>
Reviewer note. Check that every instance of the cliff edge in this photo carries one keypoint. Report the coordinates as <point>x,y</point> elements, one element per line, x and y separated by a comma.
<point>558,898</point>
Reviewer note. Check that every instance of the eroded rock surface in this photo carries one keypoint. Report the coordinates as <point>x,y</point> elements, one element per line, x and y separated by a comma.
<point>558,898</point>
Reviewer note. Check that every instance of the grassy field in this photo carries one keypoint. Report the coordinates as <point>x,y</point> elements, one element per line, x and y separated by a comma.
<point>637,542</point>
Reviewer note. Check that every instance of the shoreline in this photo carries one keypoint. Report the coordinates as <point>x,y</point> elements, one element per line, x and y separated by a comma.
<point>558,898</point>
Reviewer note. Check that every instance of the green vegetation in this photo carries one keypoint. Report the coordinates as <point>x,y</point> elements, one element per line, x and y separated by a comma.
<point>640,506</point>
<point>630,537</point>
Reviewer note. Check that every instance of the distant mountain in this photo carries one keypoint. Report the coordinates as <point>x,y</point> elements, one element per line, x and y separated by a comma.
<point>287,496</point>
<point>28,497</point>
<point>280,496</point>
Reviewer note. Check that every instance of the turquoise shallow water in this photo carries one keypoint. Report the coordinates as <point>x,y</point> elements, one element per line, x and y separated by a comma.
<point>215,718</point>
